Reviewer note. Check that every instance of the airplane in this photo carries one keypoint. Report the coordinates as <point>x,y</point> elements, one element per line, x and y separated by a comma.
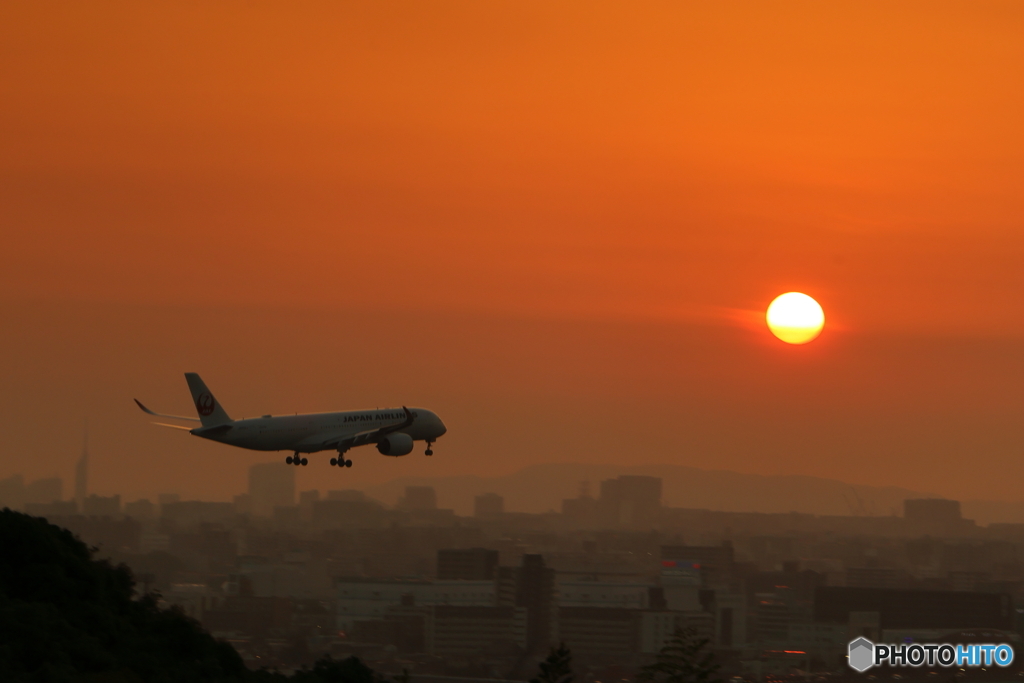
<point>392,430</point>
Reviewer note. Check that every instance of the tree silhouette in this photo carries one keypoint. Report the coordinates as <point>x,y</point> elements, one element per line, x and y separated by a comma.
<point>682,660</point>
<point>557,668</point>
<point>328,670</point>
<point>67,617</point>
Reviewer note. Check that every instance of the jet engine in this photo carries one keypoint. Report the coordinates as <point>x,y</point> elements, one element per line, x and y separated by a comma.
<point>395,444</point>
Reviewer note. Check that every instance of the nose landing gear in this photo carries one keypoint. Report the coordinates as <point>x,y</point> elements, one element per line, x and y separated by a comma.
<point>429,451</point>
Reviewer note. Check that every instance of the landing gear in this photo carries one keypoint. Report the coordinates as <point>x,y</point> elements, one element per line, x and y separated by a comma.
<point>296,460</point>
<point>341,462</point>
<point>429,451</point>
<point>288,460</point>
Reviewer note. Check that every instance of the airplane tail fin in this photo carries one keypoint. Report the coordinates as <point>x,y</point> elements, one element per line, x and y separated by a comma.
<point>210,411</point>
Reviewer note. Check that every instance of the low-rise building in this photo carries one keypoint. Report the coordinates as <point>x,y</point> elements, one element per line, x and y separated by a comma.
<point>473,631</point>
<point>624,635</point>
<point>604,594</point>
<point>360,599</point>
<point>600,633</point>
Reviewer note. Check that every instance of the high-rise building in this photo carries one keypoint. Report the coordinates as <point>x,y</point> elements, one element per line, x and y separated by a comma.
<point>468,564</point>
<point>101,506</point>
<point>271,484</point>
<point>165,499</point>
<point>583,511</point>
<point>351,495</point>
<point>243,504</point>
<point>141,509</point>
<point>935,516</point>
<point>932,511</point>
<point>489,505</point>
<point>631,502</point>
<point>535,590</point>
<point>697,565</point>
<point>306,501</point>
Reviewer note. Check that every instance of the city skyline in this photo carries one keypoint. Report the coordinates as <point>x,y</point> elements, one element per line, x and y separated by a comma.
<point>542,489</point>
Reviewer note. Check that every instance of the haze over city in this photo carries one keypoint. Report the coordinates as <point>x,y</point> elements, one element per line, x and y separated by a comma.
<point>559,228</point>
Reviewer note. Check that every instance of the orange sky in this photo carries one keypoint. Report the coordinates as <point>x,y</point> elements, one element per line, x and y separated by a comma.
<point>557,212</point>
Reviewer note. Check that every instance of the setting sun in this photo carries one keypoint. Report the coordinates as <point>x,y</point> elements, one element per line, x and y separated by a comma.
<point>795,318</point>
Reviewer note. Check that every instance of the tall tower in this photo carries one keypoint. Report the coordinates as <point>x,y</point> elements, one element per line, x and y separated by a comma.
<point>82,471</point>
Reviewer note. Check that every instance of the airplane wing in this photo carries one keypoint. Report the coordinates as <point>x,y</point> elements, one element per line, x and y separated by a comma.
<point>173,417</point>
<point>343,443</point>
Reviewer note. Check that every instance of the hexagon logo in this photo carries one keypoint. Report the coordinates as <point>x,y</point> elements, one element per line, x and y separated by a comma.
<point>862,654</point>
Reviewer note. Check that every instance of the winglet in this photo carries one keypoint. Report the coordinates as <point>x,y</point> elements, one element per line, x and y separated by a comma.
<point>144,408</point>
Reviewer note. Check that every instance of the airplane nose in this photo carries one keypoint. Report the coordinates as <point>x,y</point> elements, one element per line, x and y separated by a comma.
<point>441,429</point>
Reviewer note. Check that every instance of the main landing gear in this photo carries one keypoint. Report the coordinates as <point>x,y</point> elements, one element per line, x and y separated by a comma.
<point>429,451</point>
<point>340,461</point>
<point>296,460</point>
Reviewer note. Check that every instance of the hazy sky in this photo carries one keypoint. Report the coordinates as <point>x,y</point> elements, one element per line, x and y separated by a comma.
<point>556,224</point>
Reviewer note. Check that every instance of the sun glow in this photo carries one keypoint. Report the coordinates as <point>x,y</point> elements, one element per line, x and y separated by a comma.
<point>795,318</point>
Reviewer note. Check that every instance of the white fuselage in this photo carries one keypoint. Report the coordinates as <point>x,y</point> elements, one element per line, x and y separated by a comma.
<point>314,432</point>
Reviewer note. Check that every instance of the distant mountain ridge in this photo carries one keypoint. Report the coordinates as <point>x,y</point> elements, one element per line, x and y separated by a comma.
<point>540,488</point>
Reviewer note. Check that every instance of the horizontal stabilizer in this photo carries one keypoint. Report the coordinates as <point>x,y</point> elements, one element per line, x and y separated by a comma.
<point>173,417</point>
<point>164,424</point>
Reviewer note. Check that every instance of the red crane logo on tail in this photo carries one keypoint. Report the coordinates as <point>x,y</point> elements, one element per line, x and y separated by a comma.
<point>204,404</point>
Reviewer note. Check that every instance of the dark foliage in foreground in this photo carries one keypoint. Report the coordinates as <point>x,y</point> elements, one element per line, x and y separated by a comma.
<point>326,670</point>
<point>67,617</point>
<point>557,668</point>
